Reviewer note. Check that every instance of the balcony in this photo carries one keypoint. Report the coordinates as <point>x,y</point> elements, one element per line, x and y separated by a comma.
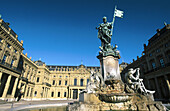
<point>3,63</point>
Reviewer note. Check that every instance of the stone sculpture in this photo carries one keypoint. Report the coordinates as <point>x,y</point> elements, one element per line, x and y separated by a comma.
<point>95,83</point>
<point>134,82</point>
<point>106,90</point>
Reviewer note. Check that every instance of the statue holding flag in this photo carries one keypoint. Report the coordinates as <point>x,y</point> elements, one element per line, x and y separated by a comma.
<point>105,31</point>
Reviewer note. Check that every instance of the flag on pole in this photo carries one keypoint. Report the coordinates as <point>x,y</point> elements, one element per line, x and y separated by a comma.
<point>118,13</point>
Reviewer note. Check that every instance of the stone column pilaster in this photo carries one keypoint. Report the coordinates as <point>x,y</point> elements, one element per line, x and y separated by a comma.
<point>6,86</point>
<point>15,87</point>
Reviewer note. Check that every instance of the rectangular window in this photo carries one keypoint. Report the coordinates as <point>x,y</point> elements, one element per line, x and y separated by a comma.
<point>58,94</point>
<point>12,62</point>
<point>4,59</point>
<point>75,82</point>
<point>153,65</point>
<point>35,94</point>
<point>37,79</point>
<point>65,82</point>
<point>162,63</point>
<point>52,94</point>
<point>81,82</point>
<point>59,82</point>
<point>53,82</point>
<point>65,94</point>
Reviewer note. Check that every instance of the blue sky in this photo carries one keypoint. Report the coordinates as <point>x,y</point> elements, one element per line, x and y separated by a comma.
<point>62,32</point>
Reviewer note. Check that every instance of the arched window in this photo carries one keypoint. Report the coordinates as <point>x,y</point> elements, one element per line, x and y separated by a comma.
<point>35,94</point>
<point>81,82</point>
<point>66,82</point>
<point>37,79</point>
<point>75,82</point>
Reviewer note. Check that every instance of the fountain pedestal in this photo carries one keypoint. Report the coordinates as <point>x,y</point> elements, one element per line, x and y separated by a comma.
<point>109,67</point>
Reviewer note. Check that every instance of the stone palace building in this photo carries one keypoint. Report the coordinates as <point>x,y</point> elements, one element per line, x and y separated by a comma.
<point>154,64</point>
<point>35,79</point>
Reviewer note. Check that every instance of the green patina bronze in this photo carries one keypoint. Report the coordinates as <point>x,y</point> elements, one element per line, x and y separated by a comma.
<point>105,35</point>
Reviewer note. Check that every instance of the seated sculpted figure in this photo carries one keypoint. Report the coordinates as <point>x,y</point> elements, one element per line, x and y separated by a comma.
<point>95,83</point>
<point>135,83</point>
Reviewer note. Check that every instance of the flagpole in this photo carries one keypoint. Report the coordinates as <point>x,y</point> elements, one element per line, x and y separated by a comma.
<point>113,21</point>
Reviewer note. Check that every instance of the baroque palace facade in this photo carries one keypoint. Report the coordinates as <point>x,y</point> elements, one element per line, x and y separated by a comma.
<point>154,64</point>
<point>34,79</point>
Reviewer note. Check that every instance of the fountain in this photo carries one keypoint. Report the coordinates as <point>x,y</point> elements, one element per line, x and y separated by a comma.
<point>106,90</point>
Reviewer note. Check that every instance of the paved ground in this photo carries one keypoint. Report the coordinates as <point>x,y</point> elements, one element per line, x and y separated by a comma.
<point>9,106</point>
<point>32,104</point>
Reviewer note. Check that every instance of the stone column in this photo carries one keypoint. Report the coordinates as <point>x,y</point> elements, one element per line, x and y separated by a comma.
<point>78,94</point>
<point>19,85</point>
<point>47,92</point>
<point>26,90</point>
<point>0,78</point>
<point>168,84</point>
<point>157,87</point>
<point>71,93</point>
<point>6,87</point>
<point>0,75</point>
<point>15,87</point>
<point>43,92</point>
<point>29,92</point>
<point>26,71</point>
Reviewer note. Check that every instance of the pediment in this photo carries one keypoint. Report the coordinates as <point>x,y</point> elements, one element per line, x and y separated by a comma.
<point>82,70</point>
